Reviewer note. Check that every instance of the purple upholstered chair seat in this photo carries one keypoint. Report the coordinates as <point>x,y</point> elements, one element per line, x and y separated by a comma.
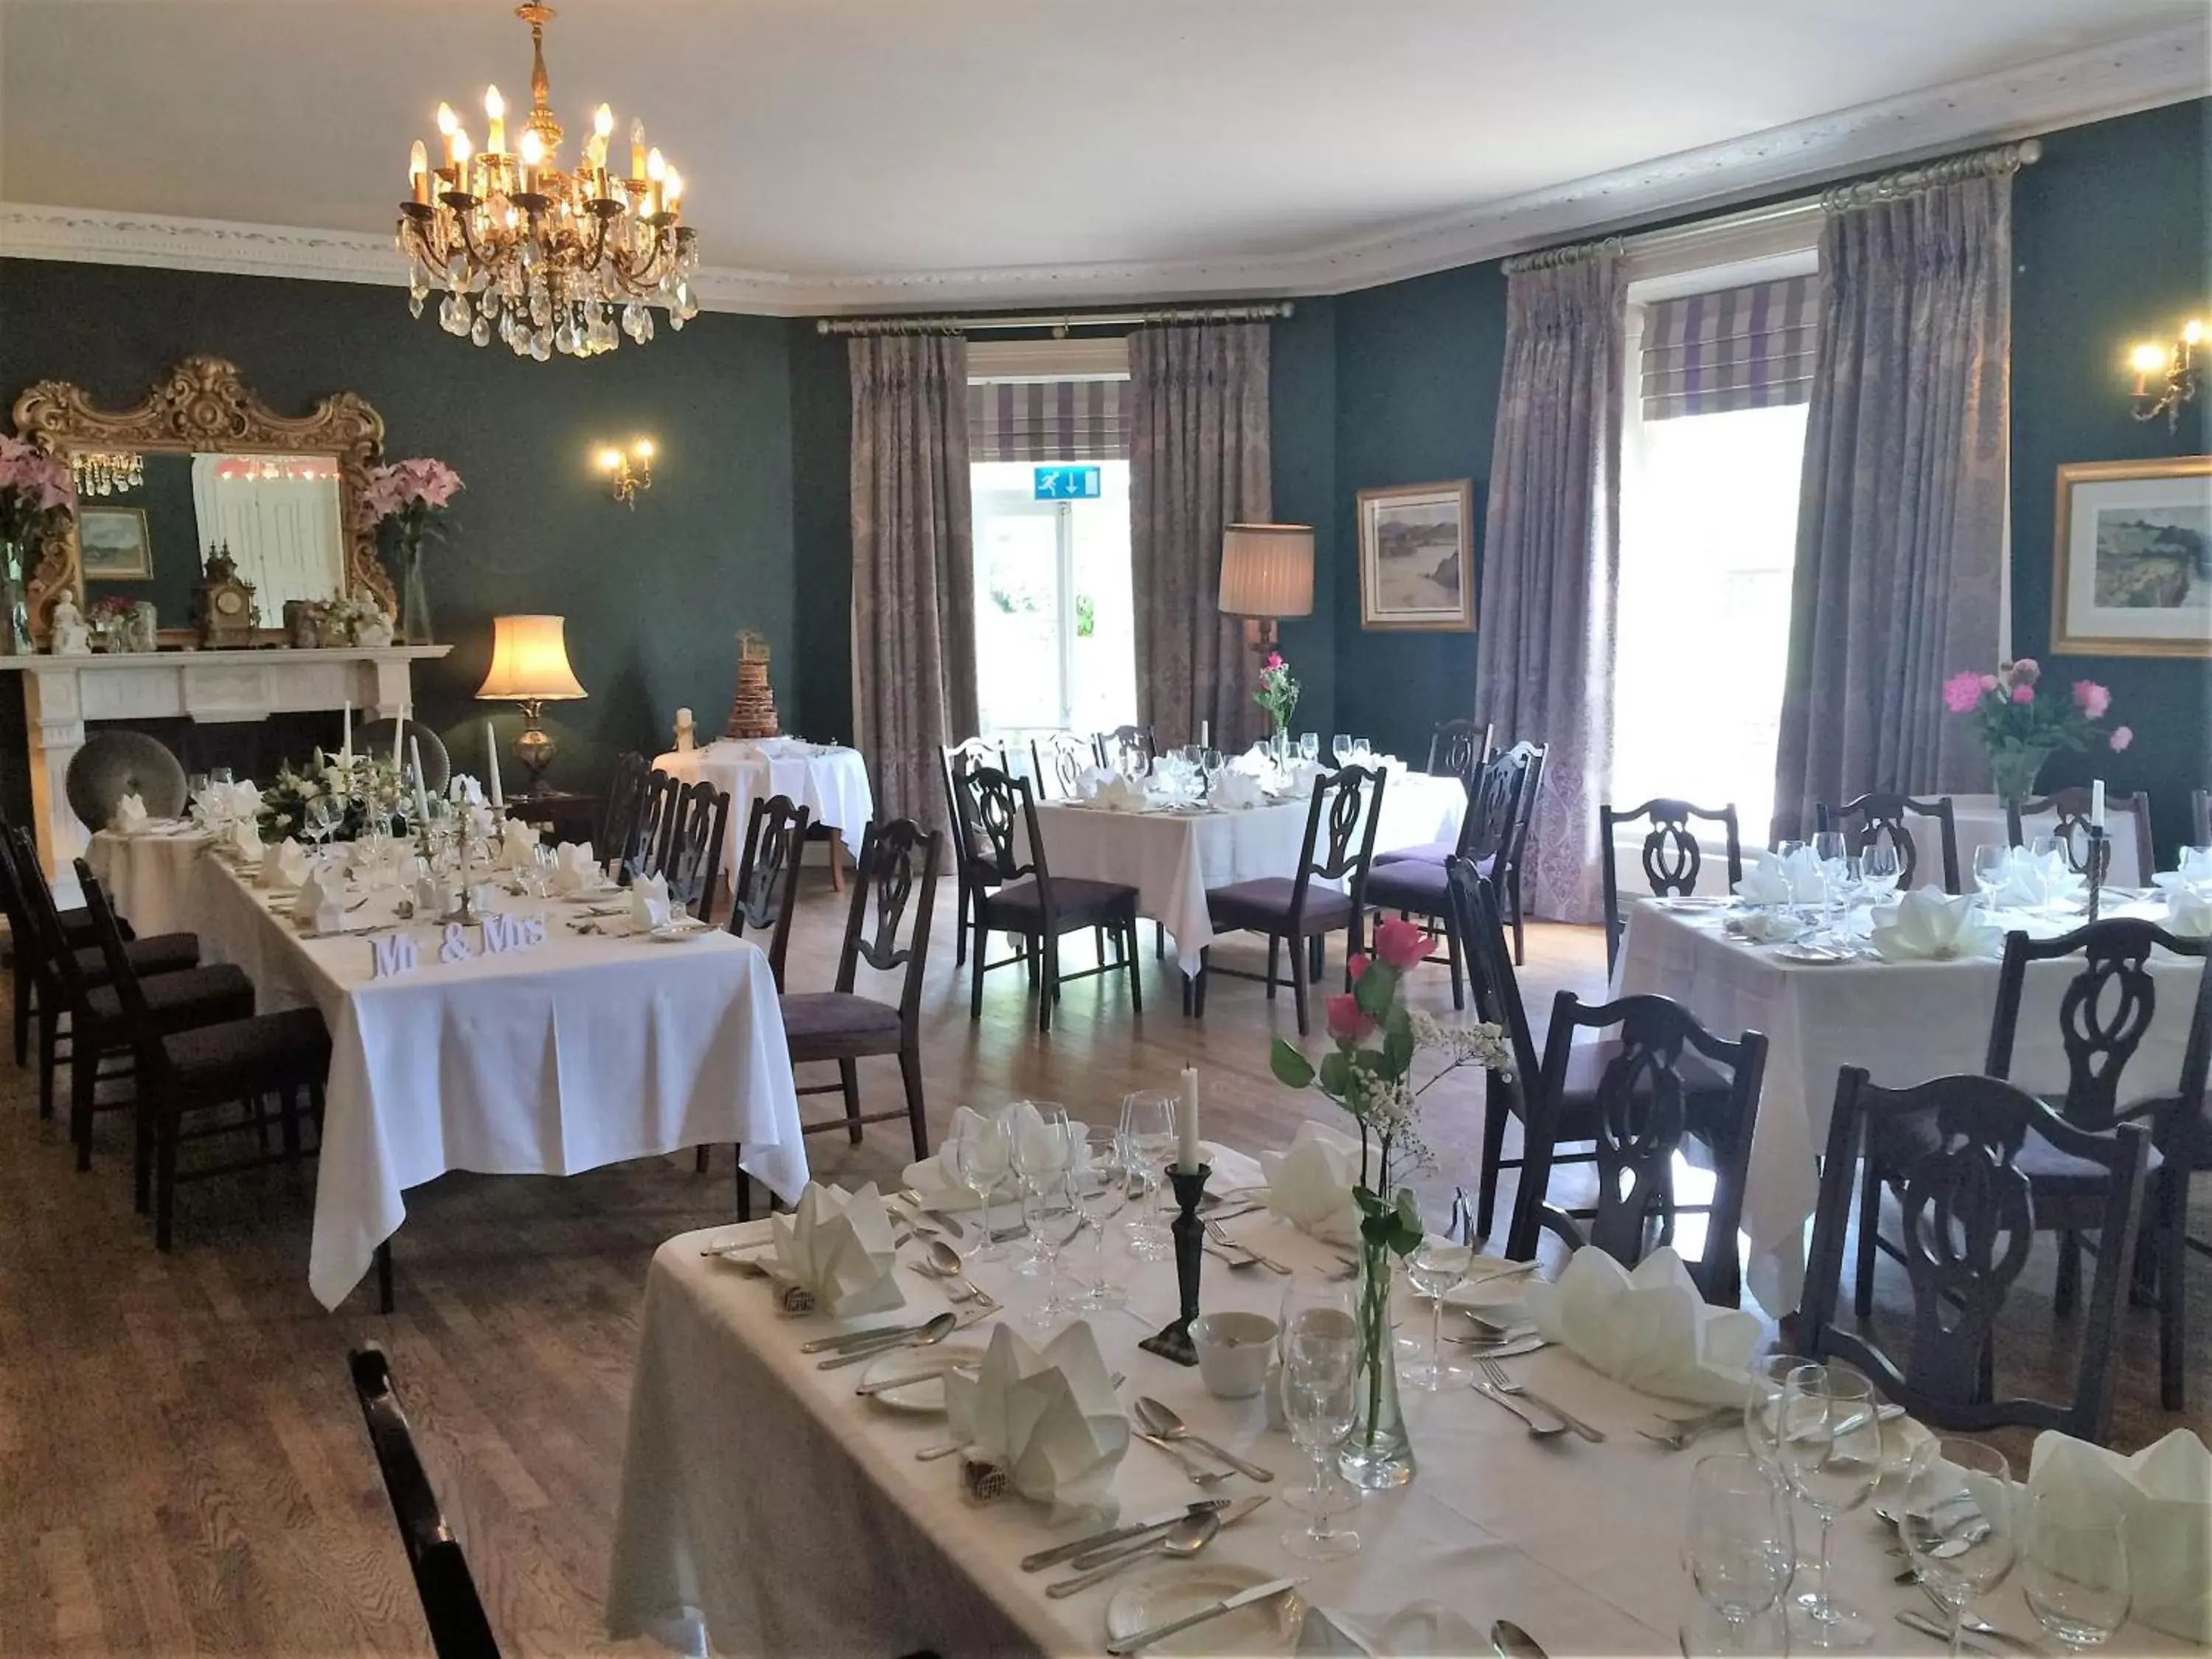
<point>1265,903</point>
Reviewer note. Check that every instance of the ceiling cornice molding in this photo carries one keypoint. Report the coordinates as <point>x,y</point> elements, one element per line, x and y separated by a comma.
<point>2092,84</point>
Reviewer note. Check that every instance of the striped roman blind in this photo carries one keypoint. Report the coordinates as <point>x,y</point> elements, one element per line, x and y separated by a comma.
<point>1047,420</point>
<point>1740,348</point>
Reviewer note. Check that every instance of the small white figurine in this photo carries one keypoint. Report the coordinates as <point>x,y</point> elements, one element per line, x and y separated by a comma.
<point>686,738</point>
<point>71,636</point>
<point>373,629</point>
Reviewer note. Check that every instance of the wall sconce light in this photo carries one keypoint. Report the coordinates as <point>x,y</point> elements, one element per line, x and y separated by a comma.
<point>629,471</point>
<point>2166,377</point>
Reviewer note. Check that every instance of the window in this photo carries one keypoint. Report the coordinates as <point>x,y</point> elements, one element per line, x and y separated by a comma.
<point>1055,645</point>
<point>1712,447</point>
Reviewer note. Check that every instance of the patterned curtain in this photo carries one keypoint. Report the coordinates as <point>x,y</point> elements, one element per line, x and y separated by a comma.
<point>1198,463</point>
<point>914,581</point>
<point>1901,518</point>
<point>1552,561</point>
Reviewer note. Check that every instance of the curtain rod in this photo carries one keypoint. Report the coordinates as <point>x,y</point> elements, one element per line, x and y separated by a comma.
<point>1059,325</point>
<point>1838,198</point>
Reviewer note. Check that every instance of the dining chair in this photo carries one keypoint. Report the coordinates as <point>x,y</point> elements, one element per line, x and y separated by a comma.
<point>970,751</point>
<point>1880,815</point>
<point>2200,818</point>
<point>691,852</point>
<point>378,736</point>
<point>118,761</point>
<point>1660,1078</point>
<point>766,896</point>
<point>1458,748</point>
<point>451,1605</point>
<point>201,1069</point>
<point>656,811</point>
<point>2068,809</point>
<point>1971,1210</point>
<point>1410,880</point>
<point>1020,896</point>
<point>1060,761</point>
<point>618,827</point>
<point>1670,855</point>
<point>1304,909</point>
<point>1123,743</point>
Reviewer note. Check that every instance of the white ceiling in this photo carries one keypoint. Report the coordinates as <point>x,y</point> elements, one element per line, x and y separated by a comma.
<point>892,152</point>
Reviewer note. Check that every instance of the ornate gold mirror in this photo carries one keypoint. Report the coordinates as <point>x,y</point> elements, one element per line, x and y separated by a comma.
<point>204,464</point>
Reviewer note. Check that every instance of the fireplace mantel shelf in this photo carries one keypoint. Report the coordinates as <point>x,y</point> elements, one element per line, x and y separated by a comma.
<point>118,661</point>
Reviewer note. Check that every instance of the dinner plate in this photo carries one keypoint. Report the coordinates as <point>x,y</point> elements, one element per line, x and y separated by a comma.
<point>1812,956</point>
<point>1695,902</point>
<point>1167,1593</point>
<point>926,1397</point>
<point>676,933</point>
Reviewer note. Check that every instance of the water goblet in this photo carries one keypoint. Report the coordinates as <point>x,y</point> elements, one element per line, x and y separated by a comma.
<point>2047,856</point>
<point>1829,1444</point>
<point>1434,1268</point>
<point>1310,746</point>
<point>2073,1566</point>
<point>1762,1406</point>
<point>1101,1190</point>
<point>1362,751</point>
<point>1147,1136</point>
<point>1313,1303</point>
<point>1341,746</point>
<point>979,1159</point>
<point>1321,1371</point>
<point>1957,1524</point>
<point>196,785</point>
<point>1056,1215</point>
<point>1879,868</point>
<point>1038,1155</point>
<point>221,774</point>
<point>1740,1545</point>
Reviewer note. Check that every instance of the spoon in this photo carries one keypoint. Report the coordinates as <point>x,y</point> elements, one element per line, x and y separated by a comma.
<point>1164,1420</point>
<point>927,1337</point>
<point>1198,1473</point>
<point>1186,1538</point>
<point>947,1261</point>
<point>1511,1642</point>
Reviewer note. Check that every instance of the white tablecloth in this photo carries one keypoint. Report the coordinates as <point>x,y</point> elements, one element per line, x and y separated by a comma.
<point>1904,1021</point>
<point>145,876</point>
<point>1172,858</point>
<point>831,783</point>
<point>791,1517</point>
<point>583,1052</point>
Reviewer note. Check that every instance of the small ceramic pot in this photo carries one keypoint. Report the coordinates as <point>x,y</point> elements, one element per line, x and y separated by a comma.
<point>1233,1352</point>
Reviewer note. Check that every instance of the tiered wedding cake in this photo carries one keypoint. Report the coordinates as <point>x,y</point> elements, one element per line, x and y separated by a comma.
<point>753,714</point>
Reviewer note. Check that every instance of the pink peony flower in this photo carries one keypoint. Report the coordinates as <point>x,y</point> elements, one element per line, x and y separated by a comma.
<point>1962,691</point>
<point>1400,943</point>
<point>1345,1022</point>
<point>1989,682</point>
<point>1355,965</point>
<point>1274,660</point>
<point>2122,736</point>
<point>2023,694</point>
<point>2092,699</point>
<point>2025,671</point>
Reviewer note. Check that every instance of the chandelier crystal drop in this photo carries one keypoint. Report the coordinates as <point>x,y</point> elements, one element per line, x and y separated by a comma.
<point>543,259</point>
<point>107,473</point>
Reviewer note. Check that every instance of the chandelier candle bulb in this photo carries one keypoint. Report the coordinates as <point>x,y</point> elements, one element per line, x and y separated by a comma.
<point>1186,1125</point>
<point>595,148</point>
<point>418,175</point>
<point>495,114</point>
<point>637,148</point>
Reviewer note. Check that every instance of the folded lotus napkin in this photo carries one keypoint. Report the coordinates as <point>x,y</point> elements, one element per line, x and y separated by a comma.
<point>1309,1185</point>
<point>244,798</point>
<point>1120,794</point>
<point>1047,1420</point>
<point>285,865</point>
<point>243,838</point>
<point>377,856</point>
<point>1093,779</point>
<point>648,904</point>
<point>1299,778</point>
<point>1927,924</point>
<point>2189,913</point>
<point>1764,926</point>
<point>518,844</point>
<point>2192,880</point>
<point>1774,879</point>
<point>318,906</point>
<point>1419,1630</point>
<point>2164,1497</point>
<point>211,806</point>
<point>1235,791</point>
<point>1649,1328</point>
<point>2027,881</point>
<point>575,870</point>
<point>130,816</point>
<point>931,1179</point>
<point>837,1247</point>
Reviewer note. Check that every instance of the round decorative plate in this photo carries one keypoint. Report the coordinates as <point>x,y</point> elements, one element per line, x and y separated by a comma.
<point>1168,1594</point>
<point>926,1397</point>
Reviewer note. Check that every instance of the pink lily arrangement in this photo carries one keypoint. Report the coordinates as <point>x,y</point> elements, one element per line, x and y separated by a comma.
<point>34,487</point>
<point>420,484</point>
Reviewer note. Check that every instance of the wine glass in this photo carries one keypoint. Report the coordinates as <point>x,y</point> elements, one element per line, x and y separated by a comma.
<point>1739,1544</point>
<point>1829,1443</point>
<point>1992,864</point>
<point>1099,1188</point>
<point>2073,1566</point>
<point>1327,1305</point>
<point>1321,1371</point>
<point>1341,746</point>
<point>1362,751</point>
<point>1038,1154</point>
<point>1310,746</point>
<point>325,816</point>
<point>980,1158</point>
<point>1762,1406</point>
<point>1434,1268</point>
<point>1147,1136</point>
<point>1056,1215</point>
<point>1956,1524</point>
<point>221,774</point>
<point>1830,851</point>
<point>2048,855</point>
<point>1879,868</point>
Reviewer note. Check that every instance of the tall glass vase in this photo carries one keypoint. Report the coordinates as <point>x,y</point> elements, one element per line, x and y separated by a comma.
<point>2014,770</point>
<point>15,598</point>
<point>1378,1455</point>
<point>414,596</point>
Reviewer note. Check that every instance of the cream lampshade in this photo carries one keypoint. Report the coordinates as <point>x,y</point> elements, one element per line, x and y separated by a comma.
<point>530,666</point>
<point>1267,572</point>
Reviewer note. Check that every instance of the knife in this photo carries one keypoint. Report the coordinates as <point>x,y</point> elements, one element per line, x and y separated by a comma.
<point>1091,1566</point>
<point>859,1339</point>
<point>1059,1552</point>
<point>1927,1627</point>
<point>1144,1638</point>
<point>952,1363</point>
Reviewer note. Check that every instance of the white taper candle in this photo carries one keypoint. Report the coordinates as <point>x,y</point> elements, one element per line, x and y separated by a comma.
<point>345,749</point>
<point>491,768</point>
<point>1187,1158</point>
<point>2097,803</point>
<point>421,797</point>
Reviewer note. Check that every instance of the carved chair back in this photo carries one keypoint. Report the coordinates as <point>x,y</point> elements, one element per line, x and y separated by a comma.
<point>1339,844</point>
<point>893,886</point>
<point>1481,926</point>
<point>691,862</point>
<point>1670,855</point>
<point>766,893</point>
<point>1880,815</point>
<point>1127,748</point>
<point>2068,811</point>
<point>1058,761</point>
<point>625,808</point>
<point>1459,747</point>
<point>656,816</point>
<point>990,803</point>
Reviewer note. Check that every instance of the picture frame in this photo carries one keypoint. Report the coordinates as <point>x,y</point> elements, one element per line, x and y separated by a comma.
<point>1416,557</point>
<point>2131,574</point>
<point>113,545</point>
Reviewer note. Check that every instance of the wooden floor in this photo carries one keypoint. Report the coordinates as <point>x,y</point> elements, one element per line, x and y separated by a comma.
<point>182,1466</point>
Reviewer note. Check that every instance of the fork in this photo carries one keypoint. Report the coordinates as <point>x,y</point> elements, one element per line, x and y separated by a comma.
<point>1220,1236</point>
<point>1504,1385</point>
<point>1536,1431</point>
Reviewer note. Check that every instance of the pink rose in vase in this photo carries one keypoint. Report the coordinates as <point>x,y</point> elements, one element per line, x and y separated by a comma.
<point>2092,699</point>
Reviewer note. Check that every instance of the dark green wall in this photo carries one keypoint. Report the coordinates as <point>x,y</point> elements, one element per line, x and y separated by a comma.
<point>653,598</point>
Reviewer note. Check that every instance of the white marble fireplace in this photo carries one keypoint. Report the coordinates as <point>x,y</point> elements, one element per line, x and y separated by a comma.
<point>61,694</point>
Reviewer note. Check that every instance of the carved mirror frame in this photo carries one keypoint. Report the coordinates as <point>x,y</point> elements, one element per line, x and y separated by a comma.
<point>202,406</point>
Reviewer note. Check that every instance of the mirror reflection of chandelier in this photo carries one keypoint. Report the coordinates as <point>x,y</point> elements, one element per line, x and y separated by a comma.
<point>547,260</point>
<point>106,471</point>
<point>268,468</point>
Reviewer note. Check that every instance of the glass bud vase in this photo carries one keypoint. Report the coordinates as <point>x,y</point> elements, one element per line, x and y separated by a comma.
<point>1378,1454</point>
<point>414,599</point>
<point>16,627</point>
<point>2012,771</point>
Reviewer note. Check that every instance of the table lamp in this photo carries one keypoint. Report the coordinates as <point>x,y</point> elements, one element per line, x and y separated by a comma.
<point>530,666</point>
<point>1266,573</point>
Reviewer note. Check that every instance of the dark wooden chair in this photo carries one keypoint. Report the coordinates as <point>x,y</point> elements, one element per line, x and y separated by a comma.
<point>1654,1085</point>
<point>1501,808</point>
<point>458,1629</point>
<point>2200,818</point>
<point>1303,910</point>
<point>655,814</point>
<point>691,852</point>
<point>1126,744</point>
<point>1460,748</point>
<point>197,1070</point>
<point>766,892</point>
<point>972,751</point>
<point>1059,761</point>
<point>2068,811</point>
<point>625,813</point>
<point>1880,815</point>
<point>1971,1212</point>
<point>1021,895</point>
<point>1671,857</point>
<point>1410,880</point>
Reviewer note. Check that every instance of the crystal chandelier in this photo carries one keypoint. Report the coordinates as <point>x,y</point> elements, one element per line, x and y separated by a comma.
<point>547,260</point>
<point>106,471</point>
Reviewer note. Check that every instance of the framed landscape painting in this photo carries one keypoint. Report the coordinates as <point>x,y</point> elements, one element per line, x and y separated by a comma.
<point>112,546</point>
<point>2133,574</point>
<point>1415,567</point>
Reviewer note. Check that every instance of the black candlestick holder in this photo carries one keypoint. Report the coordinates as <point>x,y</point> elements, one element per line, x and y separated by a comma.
<point>2094,866</point>
<point>1172,1339</point>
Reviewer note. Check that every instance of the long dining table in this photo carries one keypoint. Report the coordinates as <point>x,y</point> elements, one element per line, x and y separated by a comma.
<point>767,1509</point>
<point>548,1058</point>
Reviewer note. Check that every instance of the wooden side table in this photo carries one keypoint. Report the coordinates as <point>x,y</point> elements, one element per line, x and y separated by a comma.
<point>570,815</point>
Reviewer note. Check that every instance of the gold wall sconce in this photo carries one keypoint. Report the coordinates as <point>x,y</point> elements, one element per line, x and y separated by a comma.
<point>628,470</point>
<point>2165,376</point>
